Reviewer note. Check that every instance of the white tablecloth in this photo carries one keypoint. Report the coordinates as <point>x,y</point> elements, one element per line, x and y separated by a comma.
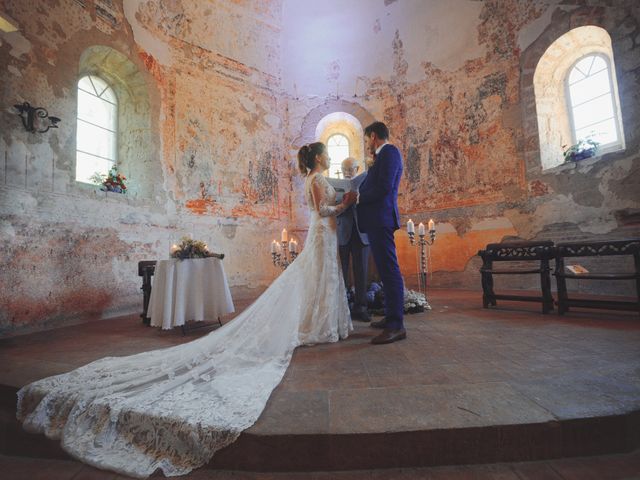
<point>191,289</point>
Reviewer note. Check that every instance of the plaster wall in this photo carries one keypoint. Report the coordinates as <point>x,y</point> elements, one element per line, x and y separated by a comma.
<point>460,105</point>
<point>209,163</point>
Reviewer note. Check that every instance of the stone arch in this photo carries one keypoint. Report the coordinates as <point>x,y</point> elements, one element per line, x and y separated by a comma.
<point>314,117</point>
<point>138,154</point>
<point>563,23</point>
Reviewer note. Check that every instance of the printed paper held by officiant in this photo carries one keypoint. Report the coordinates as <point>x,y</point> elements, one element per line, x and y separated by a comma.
<point>342,186</point>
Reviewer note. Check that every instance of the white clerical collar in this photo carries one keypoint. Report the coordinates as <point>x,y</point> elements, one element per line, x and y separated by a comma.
<point>380,147</point>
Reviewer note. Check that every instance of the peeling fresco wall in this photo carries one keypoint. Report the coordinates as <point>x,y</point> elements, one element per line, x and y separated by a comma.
<point>464,117</point>
<point>204,156</point>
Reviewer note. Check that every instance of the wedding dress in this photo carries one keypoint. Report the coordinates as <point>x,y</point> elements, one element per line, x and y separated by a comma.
<point>172,408</point>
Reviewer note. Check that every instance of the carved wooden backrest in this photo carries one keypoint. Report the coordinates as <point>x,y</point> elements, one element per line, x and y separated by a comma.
<point>601,248</point>
<point>518,251</point>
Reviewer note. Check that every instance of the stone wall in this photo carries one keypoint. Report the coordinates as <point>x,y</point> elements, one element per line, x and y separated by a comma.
<point>456,88</point>
<point>199,90</point>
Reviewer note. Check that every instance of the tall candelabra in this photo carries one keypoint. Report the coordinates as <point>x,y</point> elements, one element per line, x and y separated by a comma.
<point>423,242</point>
<point>285,252</point>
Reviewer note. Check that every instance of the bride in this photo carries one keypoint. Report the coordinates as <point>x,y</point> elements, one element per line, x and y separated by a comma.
<point>173,408</point>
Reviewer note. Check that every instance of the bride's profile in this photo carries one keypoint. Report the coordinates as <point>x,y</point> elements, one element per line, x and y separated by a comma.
<point>172,408</point>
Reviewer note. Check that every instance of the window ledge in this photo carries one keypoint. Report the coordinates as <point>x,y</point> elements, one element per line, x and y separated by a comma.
<point>584,162</point>
<point>87,189</point>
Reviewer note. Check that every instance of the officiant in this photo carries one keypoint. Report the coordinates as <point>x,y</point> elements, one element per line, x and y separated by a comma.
<point>354,245</point>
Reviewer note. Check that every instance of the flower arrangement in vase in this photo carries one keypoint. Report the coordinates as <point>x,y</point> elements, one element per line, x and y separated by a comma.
<point>112,182</point>
<point>189,248</point>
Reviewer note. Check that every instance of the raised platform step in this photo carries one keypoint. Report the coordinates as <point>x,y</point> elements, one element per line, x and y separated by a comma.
<point>330,452</point>
<point>468,386</point>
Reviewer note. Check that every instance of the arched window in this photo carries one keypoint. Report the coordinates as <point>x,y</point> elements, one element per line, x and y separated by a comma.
<point>591,104</point>
<point>576,96</point>
<point>338,150</point>
<point>96,133</point>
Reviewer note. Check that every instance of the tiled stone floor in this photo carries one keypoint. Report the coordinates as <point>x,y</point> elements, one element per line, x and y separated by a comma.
<point>461,367</point>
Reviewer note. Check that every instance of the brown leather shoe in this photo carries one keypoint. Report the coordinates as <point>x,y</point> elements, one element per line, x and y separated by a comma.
<point>389,336</point>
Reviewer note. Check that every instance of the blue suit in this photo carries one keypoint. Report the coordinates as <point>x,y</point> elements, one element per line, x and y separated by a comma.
<point>354,244</point>
<point>378,216</point>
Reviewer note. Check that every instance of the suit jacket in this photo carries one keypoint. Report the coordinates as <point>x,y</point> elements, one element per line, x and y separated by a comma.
<point>346,219</point>
<point>378,200</point>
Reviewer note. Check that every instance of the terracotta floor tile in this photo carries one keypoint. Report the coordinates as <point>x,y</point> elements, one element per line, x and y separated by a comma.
<point>430,407</point>
<point>294,413</point>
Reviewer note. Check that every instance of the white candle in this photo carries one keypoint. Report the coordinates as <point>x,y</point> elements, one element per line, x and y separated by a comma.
<point>411,227</point>
<point>421,229</point>
<point>291,245</point>
<point>432,225</point>
<point>274,246</point>
<point>283,238</point>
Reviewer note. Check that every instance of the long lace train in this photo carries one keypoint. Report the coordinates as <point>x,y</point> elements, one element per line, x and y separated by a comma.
<point>173,408</point>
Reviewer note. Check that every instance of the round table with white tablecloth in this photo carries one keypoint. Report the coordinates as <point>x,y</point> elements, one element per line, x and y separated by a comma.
<point>190,289</point>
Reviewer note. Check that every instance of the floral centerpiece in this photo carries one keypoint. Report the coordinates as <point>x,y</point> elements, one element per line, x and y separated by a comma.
<point>189,248</point>
<point>414,302</point>
<point>112,182</point>
<point>583,149</point>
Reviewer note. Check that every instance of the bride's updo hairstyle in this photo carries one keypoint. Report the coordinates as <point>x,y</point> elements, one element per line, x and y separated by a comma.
<point>307,156</point>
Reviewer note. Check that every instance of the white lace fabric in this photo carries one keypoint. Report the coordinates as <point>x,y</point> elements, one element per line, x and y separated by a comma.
<point>173,408</point>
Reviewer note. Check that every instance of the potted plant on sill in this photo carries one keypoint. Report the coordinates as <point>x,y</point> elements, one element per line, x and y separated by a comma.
<point>583,149</point>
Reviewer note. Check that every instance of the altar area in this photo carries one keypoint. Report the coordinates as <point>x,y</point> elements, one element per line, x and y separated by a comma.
<point>468,386</point>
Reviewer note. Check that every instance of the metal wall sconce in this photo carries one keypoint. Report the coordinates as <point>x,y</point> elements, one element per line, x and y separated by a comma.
<point>36,119</point>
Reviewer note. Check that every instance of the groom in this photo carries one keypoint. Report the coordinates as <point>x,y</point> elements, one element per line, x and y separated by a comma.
<point>378,216</point>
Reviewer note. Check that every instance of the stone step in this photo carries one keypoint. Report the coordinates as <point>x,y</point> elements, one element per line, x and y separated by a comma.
<point>359,451</point>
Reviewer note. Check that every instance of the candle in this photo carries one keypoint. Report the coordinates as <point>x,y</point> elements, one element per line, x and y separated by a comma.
<point>411,227</point>
<point>421,229</point>
<point>291,245</point>
<point>284,235</point>
<point>295,245</point>
<point>432,225</point>
<point>274,246</point>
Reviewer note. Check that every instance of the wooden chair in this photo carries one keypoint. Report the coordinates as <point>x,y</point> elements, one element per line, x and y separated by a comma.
<point>629,247</point>
<point>541,252</point>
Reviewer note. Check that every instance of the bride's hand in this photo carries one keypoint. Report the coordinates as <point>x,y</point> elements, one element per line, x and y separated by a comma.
<point>349,198</point>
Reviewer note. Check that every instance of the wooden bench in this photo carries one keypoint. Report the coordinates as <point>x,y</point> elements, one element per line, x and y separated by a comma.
<point>630,247</point>
<point>540,252</point>
<point>146,269</point>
